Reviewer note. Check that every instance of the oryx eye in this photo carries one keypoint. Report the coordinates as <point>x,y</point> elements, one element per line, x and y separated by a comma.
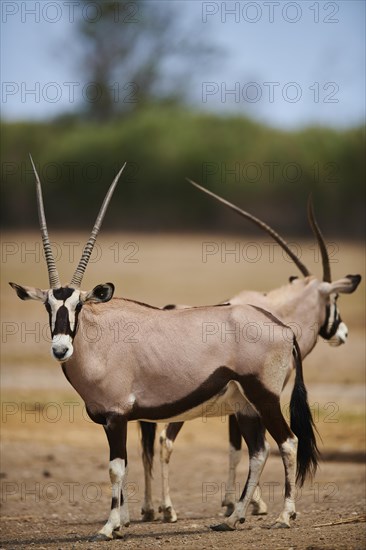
<point>78,307</point>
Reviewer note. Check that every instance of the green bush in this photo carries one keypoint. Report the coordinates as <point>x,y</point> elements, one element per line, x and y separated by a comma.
<point>267,171</point>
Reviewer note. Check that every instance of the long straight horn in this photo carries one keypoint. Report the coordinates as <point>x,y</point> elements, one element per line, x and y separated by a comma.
<point>88,249</point>
<point>51,266</point>
<point>321,243</point>
<point>259,223</point>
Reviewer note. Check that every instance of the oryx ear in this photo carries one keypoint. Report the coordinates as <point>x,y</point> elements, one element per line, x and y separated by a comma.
<point>347,285</point>
<point>29,293</point>
<point>100,293</point>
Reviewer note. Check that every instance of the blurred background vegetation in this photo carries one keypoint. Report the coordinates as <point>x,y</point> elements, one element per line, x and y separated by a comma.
<point>163,144</point>
<point>164,139</point>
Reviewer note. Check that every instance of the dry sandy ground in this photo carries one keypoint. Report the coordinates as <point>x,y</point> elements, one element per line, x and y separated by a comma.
<point>57,495</point>
<point>55,487</point>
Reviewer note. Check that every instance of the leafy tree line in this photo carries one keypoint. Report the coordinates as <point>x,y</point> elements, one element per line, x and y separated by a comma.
<point>267,171</point>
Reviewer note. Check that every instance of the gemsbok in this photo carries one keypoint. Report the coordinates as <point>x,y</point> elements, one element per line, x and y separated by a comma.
<point>173,369</point>
<point>309,305</point>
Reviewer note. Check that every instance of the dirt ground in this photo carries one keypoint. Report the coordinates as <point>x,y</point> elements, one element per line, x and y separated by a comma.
<point>57,496</point>
<point>55,490</point>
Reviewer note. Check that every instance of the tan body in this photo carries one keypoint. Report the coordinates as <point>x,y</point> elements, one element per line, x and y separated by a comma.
<point>176,359</point>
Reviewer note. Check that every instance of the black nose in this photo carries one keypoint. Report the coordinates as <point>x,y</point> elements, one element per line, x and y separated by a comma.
<point>59,353</point>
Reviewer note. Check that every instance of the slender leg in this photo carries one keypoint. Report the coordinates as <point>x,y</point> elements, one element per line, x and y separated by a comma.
<point>167,438</point>
<point>253,431</point>
<point>148,431</point>
<point>125,513</point>
<point>116,431</point>
<point>235,454</point>
<point>259,507</point>
<point>288,450</point>
<point>287,443</point>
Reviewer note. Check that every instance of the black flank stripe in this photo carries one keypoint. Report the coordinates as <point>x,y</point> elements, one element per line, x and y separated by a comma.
<point>216,382</point>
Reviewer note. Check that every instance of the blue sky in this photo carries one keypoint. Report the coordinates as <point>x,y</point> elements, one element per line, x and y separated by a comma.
<point>289,64</point>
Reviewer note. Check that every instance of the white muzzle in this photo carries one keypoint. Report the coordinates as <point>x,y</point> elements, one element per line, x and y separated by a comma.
<point>62,347</point>
<point>340,336</point>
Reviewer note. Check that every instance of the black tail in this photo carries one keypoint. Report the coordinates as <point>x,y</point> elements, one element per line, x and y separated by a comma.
<point>302,424</point>
<point>148,431</point>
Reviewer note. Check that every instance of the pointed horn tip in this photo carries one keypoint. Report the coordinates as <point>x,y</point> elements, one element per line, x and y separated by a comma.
<point>327,277</point>
<point>80,270</point>
<point>115,181</point>
<point>192,181</point>
<point>123,167</point>
<point>200,187</point>
<point>32,162</point>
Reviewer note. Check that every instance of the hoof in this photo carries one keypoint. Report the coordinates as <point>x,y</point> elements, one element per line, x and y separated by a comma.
<point>222,527</point>
<point>99,537</point>
<point>169,515</point>
<point>126,524</point>
<point>280,525</point>
<point>147,515</point>
<point>118,534</point>
<point>229,509</point>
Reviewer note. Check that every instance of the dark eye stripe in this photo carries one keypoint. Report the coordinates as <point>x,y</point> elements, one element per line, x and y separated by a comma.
<point>331,323</point>
<point>62,322</point>
<point>59,315</point>
<point>49,310</point>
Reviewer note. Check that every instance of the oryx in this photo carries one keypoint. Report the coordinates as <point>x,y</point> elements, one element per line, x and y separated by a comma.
<point>169,371</point>
<point>310,305</point>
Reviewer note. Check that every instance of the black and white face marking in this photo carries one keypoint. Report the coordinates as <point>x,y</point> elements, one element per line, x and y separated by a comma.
<point>63,306</point>
<point>334,329</point>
